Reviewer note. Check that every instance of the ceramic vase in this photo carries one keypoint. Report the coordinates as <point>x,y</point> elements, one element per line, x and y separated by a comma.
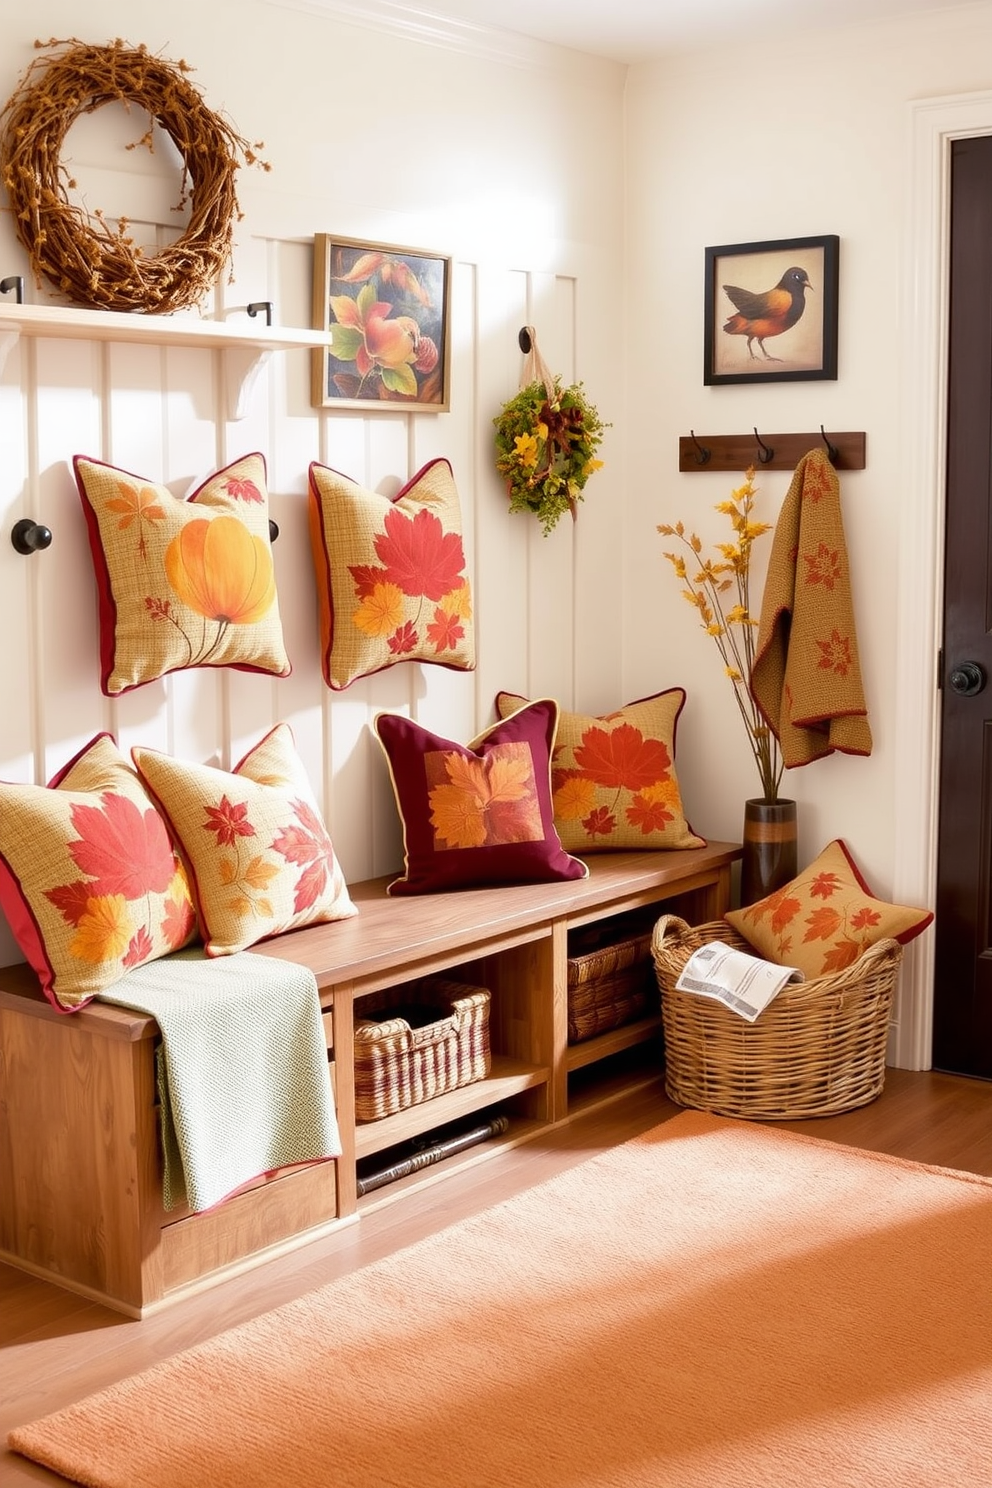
<point>769,841</point>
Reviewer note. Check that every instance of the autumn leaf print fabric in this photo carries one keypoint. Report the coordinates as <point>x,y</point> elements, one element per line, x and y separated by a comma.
<point>613,777</point>
<point>182,583</point>
<point>260,856</point>
<point>477,813</point>
<point>392,581</point>
<point>89,880</point>
<point>826,918</point>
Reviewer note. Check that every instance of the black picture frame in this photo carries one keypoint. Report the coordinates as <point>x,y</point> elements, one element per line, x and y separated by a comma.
<point>733,349</point>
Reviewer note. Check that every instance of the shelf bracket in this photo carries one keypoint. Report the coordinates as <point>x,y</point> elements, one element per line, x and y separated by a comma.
<point>8,340</point>
<point>242,367</point>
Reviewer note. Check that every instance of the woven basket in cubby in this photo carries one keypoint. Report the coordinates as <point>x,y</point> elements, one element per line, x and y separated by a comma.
<point>817,1049</point>
<point>417,1041</point>
<point>610,986</point>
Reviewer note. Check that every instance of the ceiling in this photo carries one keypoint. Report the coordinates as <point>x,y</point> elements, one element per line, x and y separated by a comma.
<point>636,30</point>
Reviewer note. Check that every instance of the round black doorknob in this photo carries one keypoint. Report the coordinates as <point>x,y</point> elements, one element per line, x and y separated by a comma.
<point>967,678</point>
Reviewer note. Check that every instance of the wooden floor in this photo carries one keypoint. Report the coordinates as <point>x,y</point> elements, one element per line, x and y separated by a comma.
<point>55,1348</point>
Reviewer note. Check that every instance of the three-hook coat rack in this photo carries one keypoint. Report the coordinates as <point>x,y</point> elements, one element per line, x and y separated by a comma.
<point>767,451</point>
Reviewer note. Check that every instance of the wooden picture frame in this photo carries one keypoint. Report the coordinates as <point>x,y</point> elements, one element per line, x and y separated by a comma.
<point>393,357</point>
<point>802,276</point>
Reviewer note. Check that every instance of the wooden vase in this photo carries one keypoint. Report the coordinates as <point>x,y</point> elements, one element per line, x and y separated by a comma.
<point>769,859</point>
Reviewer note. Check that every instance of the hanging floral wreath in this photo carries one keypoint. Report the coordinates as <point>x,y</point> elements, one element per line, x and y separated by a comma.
<point>77,251</point>
<point>546,443</point>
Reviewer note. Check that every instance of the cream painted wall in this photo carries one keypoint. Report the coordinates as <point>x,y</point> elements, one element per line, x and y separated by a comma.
<point>505,156</point>
<point>789,137</point>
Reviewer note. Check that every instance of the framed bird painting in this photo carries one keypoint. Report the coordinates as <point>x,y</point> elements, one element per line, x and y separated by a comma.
<point>770,311</point>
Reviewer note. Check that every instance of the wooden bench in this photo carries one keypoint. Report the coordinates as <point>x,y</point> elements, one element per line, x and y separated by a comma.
<point>80,1166</point>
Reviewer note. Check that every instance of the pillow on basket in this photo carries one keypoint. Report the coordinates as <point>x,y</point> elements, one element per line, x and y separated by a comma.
<point>614,779</point>
<point>479,813</point>
<point>259,854</point>
<point>181,583</point>
<point>391,574</point>
<point>825,918</point>
<point>89,880</point>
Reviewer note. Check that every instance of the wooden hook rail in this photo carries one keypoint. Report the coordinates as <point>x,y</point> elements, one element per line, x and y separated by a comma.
<point>767,451</point>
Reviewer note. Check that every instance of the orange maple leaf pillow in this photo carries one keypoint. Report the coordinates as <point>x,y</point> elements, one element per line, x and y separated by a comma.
<point>89,880</point>
<point>392,583</point>
<point>181,583</point>
<point>477,813</point>
<point>825,918</point>
<point>259,854</point>
<point>614,778</point>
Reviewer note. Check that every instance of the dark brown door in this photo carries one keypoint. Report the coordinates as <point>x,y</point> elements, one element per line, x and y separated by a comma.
<point>963,979</point>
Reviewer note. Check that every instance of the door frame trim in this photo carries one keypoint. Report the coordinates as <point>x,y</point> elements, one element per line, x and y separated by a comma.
<point>936,123</point>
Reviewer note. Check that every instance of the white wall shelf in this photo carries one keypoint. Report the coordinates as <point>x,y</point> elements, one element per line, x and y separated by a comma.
<point>245,347</point>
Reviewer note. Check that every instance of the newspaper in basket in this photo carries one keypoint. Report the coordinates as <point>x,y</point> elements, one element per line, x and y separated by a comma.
<point>744,984</point>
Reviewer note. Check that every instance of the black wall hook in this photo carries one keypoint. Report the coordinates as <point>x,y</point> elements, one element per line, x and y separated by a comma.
<point>14,282</point>
<point>765,451</point>
<point>524,339</point>
<point>30,537</point>
<point>831,448</point>
<point>703,455</point>
<point>258,305</point>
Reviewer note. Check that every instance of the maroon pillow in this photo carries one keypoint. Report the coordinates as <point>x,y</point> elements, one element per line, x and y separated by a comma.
<point>480,813</point>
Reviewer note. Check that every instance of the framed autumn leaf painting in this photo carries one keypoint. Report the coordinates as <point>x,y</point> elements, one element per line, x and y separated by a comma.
<point>386,312</point>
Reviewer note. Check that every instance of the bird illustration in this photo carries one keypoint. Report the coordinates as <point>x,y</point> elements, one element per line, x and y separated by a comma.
<point>770,312</point>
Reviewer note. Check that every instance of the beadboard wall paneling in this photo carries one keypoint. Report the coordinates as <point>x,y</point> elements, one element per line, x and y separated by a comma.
<point>160,413</point>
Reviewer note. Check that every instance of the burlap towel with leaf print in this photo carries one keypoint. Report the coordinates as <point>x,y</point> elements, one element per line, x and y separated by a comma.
<point>806,678</point>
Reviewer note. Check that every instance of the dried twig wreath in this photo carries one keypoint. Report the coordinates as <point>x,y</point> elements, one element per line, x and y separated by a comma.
<point>77,251</point>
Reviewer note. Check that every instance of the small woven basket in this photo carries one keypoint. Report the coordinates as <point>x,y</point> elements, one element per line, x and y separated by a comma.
<point>610,986</point>
<point>436,1039</point>
<point>817,1049</point>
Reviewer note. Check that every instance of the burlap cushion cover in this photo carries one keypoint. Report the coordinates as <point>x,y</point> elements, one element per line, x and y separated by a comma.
<point>260,857</point>
<point>614,776</point>
<point>182,583</point>
<point>825,918</point>
<point>89,880</point>
<point>392,583</point>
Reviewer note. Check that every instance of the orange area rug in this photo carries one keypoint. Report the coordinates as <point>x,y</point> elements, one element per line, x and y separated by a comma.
<point>712,1305</point>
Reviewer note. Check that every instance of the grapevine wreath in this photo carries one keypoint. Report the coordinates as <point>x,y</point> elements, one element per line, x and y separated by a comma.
<point>546,441</point>
<point>77,251</point>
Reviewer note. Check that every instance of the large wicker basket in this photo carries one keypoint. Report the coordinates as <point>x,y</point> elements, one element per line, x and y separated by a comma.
<point>419,1041</point>
<point>817,1049</point>
<point>610,986</point>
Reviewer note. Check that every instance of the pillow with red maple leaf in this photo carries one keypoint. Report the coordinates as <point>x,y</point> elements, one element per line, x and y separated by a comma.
<point>259,855</point>
<point>89,880</point>
<point>614,778</point>
<point>391,575</point>
<point>825,918</point>
<point>478,813</point>
<point>181,583</point>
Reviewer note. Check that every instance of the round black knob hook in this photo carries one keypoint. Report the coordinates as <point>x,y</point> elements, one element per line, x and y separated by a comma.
<point>30,537</point>
<point>967,678</point>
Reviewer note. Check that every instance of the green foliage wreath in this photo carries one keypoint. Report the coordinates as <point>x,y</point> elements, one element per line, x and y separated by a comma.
<point>546,443</point>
